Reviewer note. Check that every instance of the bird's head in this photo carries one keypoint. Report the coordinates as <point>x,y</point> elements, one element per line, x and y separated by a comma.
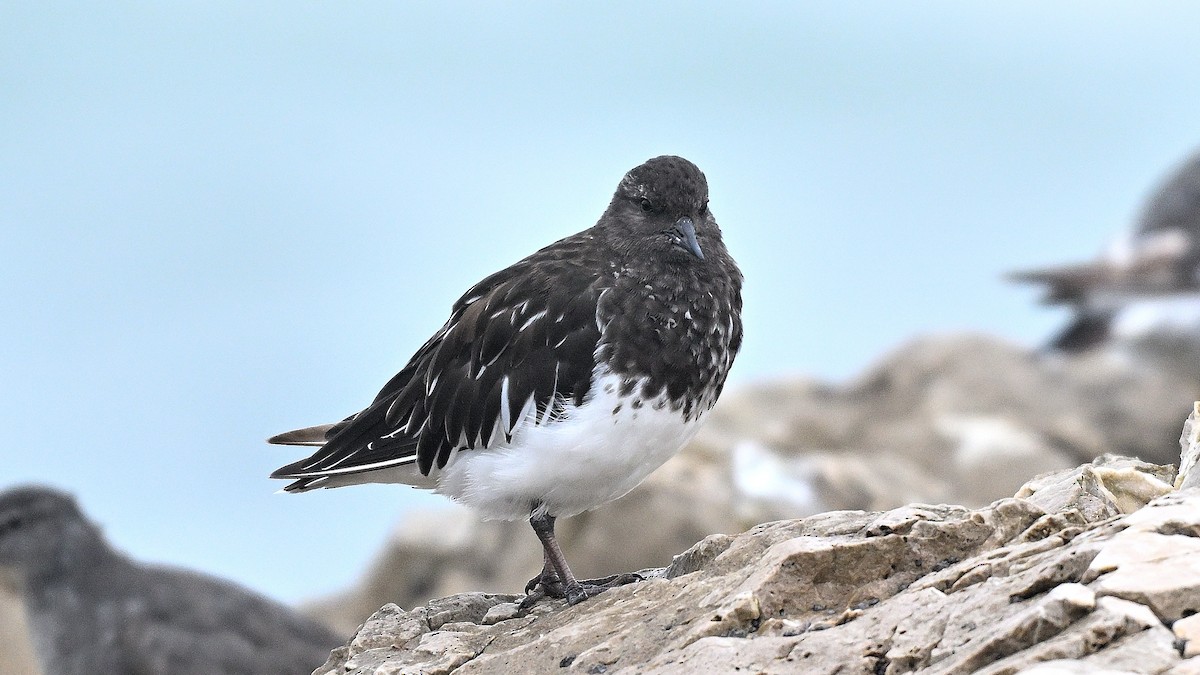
<point>660,210</point>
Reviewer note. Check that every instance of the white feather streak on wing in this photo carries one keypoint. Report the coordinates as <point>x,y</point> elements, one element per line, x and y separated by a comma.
<point>355,469</point>
<point>346,457</point>
<point>531,319</point>
<point>528,413</point>
<point>320,459</point>
<point>494,359</point>
<point>413,421</point>
<point>391,411</point>
<point>544,415</point>
<point>311,464</point>
<point>493,439</point>
<point>504,411</point>
<point>599,303</point>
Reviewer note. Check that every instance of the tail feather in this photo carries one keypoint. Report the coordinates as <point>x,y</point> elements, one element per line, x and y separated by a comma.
<point>305,484</point>
<point>1064,284</point>
<point>307,436</point>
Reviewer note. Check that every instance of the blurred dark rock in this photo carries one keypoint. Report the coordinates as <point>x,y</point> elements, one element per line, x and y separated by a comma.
<point>91,609</point>
<point>1076,576</point>
<point>963,419</point>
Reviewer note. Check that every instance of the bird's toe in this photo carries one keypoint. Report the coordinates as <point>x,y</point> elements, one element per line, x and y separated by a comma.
<point>612,581</point>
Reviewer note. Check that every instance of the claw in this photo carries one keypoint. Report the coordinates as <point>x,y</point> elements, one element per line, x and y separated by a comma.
<point>548,581</point>
<point>576,594</point>
<point>531,599</point>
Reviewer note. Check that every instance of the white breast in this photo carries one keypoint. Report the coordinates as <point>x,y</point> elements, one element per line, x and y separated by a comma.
<point>1171,315</point>
<point>591,455</point>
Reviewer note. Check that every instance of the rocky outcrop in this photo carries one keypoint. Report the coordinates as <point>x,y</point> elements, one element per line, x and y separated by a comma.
<point>1075,574</point>
<point>963,420</point>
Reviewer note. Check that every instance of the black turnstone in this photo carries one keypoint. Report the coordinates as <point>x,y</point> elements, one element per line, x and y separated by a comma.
<point>93,610</point>
<point>1145,284</point>
<point>561,382</point>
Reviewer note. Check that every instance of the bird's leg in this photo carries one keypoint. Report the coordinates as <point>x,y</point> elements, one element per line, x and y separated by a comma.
<point>556,579</point>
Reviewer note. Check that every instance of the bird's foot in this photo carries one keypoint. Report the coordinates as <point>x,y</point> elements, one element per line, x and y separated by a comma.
<point>548,581</point>
<point>612,581</point>
<point>545,585</point>
<point>550,586</point>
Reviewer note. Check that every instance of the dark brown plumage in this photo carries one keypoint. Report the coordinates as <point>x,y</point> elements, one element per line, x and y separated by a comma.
<point>544,368</point>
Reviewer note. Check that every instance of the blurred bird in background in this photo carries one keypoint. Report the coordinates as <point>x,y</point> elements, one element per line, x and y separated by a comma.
<point>1145,290</point>
<point>93,611</point>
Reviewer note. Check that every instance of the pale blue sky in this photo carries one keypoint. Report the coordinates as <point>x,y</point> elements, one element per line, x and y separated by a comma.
<point>221,220</point>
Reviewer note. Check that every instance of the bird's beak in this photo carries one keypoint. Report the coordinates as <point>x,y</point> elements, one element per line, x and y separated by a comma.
<point>686,232</point>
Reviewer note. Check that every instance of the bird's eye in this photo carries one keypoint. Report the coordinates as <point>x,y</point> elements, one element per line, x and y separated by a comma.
<point>647,205</point>
<point>11,524</point>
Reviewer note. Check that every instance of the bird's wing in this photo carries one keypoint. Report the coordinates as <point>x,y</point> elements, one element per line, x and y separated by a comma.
<point>191,624</point>
<point>1147,263</point>
<point>523,339</point>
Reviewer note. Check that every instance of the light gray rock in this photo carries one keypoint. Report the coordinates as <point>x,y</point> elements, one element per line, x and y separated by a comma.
<point>1106,487</point>
<point>16,656</point>
<point>1187,631</point>
<point>1189,442</point>
<point>963,420</point>
<point>1189,666</point>
<point>1007,588</point>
